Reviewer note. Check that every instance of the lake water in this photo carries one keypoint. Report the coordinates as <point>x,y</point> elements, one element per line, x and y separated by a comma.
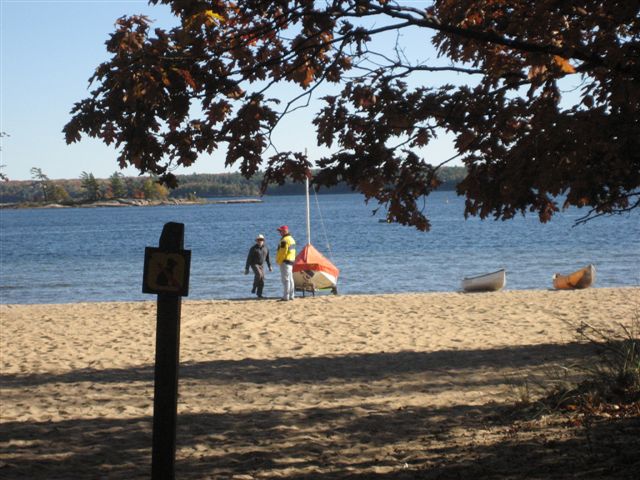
<point>96,254</point>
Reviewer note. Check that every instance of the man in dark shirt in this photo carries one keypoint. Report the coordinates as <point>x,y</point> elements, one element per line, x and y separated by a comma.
<point>258,255</point>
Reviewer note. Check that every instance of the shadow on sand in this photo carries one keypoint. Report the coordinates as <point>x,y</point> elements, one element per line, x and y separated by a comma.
<point>365,441</point>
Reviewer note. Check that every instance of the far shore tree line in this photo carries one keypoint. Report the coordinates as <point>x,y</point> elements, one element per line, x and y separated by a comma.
<point>87,188</point>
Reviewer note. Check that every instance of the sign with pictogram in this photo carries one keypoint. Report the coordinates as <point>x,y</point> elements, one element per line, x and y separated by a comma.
<point>166,272</point>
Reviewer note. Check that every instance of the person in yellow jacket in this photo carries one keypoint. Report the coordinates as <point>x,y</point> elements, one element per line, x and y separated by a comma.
<point>285,256</point>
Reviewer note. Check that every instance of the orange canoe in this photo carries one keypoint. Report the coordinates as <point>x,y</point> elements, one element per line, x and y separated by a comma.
<point>582,278</point>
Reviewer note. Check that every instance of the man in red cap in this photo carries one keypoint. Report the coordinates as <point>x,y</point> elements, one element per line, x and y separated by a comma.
<point>285,256</point>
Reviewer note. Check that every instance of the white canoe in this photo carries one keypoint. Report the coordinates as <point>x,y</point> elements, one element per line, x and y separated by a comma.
<point>488,282</point>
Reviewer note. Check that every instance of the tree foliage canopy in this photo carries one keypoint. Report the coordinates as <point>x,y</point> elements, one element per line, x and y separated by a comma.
<point>167,96</point>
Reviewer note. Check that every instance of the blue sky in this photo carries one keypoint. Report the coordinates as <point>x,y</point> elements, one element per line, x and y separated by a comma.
<point>48,51</point>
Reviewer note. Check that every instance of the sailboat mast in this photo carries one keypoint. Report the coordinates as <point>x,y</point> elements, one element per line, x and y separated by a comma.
<point>306,184</point>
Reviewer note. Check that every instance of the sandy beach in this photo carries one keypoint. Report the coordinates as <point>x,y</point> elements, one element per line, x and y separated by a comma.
<point>372,386</point>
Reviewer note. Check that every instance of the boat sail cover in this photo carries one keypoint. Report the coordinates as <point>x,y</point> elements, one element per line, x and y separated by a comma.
<point>312,270</point>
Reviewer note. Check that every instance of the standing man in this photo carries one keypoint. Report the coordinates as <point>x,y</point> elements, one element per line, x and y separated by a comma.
<point>258,255</point>
<point>285,256</point>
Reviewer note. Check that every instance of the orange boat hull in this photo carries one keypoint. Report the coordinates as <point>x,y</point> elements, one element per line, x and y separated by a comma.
<point>582,278</point>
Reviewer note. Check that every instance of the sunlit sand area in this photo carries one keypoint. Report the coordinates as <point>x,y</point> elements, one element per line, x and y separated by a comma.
<point>383,387</point>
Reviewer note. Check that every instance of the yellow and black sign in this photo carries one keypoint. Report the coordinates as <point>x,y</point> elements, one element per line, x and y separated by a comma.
<point>166,272</point>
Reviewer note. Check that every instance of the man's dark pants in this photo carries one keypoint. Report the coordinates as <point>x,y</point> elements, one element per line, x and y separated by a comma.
<point>258,279</point>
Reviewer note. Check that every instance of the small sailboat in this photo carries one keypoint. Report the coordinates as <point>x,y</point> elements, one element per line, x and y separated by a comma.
<point>488,282</point>
<point>582,278</point>
<point>311,270</point>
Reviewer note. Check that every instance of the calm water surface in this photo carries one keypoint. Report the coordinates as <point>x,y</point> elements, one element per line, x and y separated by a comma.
<point>96,254</point>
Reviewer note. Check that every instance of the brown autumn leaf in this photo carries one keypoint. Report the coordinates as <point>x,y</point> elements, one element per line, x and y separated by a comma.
<point>564,64</point>
<point>422,137</point>
<point>186,75</point>
<point>536,71</point>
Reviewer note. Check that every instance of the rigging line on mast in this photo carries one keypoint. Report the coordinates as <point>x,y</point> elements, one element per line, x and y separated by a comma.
<point>324,230</point>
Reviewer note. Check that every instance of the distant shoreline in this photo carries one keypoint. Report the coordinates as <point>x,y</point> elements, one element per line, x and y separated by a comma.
<point>125,202</point>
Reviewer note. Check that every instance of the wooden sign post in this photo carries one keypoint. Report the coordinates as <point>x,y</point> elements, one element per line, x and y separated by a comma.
<point>166,273</point>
